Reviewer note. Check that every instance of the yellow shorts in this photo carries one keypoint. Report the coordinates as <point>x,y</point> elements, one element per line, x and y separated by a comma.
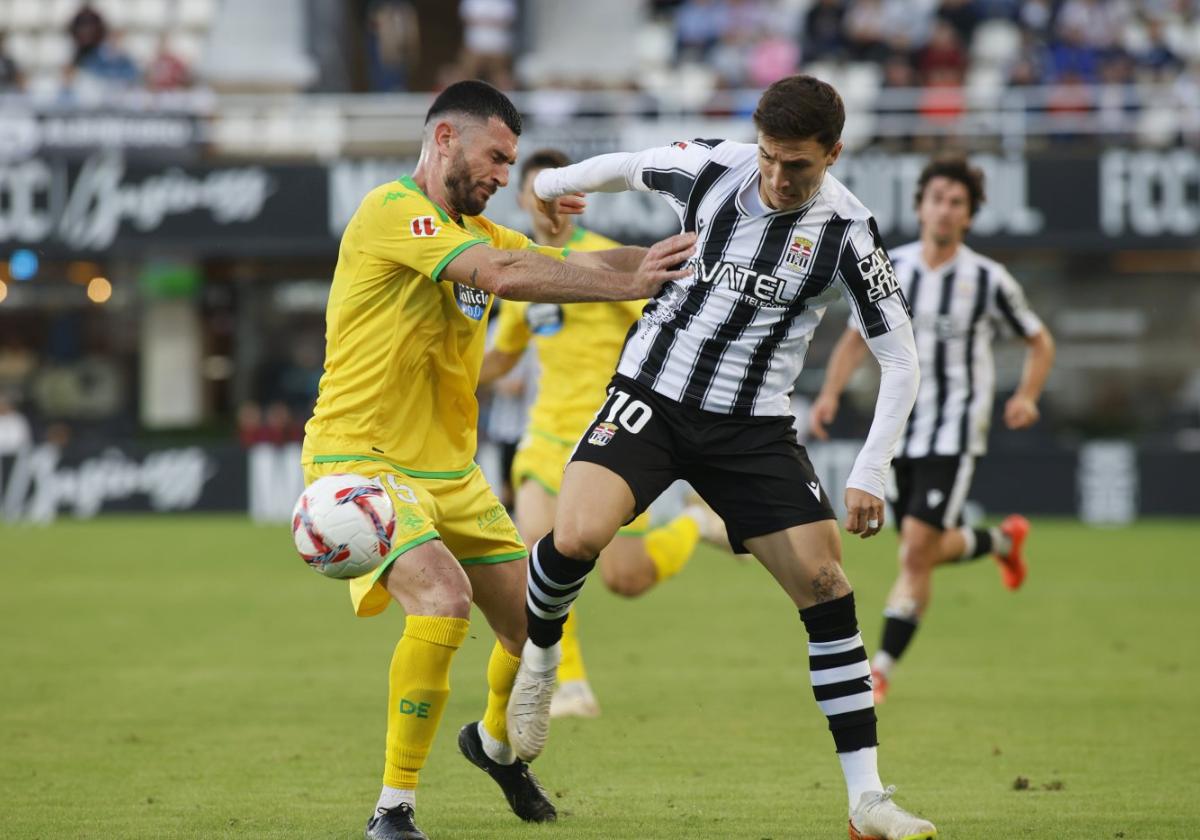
<point>542,457</point>
<point>462,512</point>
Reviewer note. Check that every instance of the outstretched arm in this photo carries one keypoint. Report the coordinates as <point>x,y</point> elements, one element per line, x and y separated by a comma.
<point>496,363</point>
<point>526,275</point>
<point>614,172</point>
<point>896,352</point>
<point>611,259</point>
<point>1021,411</point>
<point>847,355</point>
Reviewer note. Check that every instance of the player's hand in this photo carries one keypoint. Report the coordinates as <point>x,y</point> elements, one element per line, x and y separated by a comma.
<point>555,208</point>
<point>864,513</point>
<point>662,264</point>
<point>822,413</point>
<point>1020,412</point>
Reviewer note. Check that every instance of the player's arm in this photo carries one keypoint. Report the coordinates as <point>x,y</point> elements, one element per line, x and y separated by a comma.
<point>610,259</point>
<point>1021,411</point>
<point>528,275</point>
<point>847,355</point>
<point>511,339</point>
<point>881,314</point>
<point>497,363</point>
<point>667,170</point>
<point>899,378</point>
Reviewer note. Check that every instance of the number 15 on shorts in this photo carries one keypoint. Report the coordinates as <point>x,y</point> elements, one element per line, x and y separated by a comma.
<point>620,408</point>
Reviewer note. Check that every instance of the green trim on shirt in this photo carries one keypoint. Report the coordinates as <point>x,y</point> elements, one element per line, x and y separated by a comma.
<point>454,252</point>
<point>337,459</point>
<point>407,181</point>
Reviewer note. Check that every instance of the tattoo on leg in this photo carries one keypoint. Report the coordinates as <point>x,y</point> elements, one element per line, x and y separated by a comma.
<point>829,583</point>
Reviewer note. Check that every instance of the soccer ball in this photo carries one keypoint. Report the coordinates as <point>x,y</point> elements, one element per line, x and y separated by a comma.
<point>343,525</point>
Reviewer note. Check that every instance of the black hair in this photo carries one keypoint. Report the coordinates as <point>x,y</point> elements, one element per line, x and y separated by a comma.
<point>800,107</point>
<point>953,165</point>
<point>542,159</point>
<point>476,99</point>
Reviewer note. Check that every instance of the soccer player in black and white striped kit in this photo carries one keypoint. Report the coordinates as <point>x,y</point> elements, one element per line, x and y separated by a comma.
<point>959,299</point>
<point>701,393</point>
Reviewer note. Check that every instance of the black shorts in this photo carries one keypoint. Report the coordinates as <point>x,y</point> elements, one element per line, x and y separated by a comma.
<point>932,489</point>
<point>750,470</point>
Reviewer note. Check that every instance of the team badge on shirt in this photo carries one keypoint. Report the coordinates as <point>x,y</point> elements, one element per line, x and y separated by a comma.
<point>602,433</point>
<point>799,254</point>
<point>544,319</point>
<point>877,272</point>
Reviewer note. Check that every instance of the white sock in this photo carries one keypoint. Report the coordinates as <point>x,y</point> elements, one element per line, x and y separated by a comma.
<point>968,535</point>
<point>1001,544</point>
<point>541,660</point>
<point>883,662</point>
<point>390,797</point>
<point>497,750</point>
<point>861,769</point>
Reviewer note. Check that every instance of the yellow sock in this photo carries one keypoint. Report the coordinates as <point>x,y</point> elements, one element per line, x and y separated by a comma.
<point>671,546</point>
<point>501,671</point>
<point>418,685</point>
<point>571,667</point>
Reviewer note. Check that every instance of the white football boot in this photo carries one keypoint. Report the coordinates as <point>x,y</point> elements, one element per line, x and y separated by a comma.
<point>529,705</point>
<point>877,817</point>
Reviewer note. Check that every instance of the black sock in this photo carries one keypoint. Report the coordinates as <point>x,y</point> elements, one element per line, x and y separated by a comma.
<point>834,642</point>
<point>553,585</point>
<point>897,633</point>
<point>983,542</point>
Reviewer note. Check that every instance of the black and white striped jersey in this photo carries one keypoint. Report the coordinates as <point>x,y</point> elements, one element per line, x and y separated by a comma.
<point>956,310</point>
<point>732,337</point>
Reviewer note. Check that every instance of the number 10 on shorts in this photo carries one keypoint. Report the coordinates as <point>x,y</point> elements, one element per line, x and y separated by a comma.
<point>631,414</point>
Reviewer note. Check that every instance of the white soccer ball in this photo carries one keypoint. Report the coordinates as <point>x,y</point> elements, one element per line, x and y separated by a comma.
<point>343,525</point>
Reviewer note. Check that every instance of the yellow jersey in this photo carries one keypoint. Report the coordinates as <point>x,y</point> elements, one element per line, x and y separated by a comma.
<point>578,345</point>
<point>403,348</point>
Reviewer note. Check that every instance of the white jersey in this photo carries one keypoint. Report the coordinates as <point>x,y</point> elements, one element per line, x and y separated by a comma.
<point>956,309</point>
<point>732,337</point>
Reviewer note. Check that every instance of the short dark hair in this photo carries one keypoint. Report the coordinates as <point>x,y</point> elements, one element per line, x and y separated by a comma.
<point>542,159</point>
<point>800,107</point>
<point>476,99</point>
<point>953,165</point>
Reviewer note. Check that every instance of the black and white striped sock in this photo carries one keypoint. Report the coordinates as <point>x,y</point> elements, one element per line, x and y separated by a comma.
<point>553,585</point>
<point>841,681</point>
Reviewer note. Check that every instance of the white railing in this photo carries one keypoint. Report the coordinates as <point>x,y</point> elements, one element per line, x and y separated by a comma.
<point>337,125</point>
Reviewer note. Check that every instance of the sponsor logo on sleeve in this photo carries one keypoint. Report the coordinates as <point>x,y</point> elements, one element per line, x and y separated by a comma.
<point>877,272</point>
<point>544,319</point>
<point>472,302</point>
<point>424,226</point>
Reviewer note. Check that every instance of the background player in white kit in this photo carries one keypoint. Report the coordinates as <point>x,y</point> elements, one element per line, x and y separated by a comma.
<point>959,298</point>
<point>701,393</point>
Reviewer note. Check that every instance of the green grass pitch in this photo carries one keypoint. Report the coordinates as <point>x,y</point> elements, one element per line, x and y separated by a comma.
<point>168,677</point>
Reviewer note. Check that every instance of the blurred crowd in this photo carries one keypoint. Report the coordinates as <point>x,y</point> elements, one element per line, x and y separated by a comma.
<point>85,53</point>
<point>920,43</point>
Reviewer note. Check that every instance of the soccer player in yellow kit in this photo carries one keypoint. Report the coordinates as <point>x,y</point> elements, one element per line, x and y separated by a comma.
<point>578,346</point>
<point>405,330</point>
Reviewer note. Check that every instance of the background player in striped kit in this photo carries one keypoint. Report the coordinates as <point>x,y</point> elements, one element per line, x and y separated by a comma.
<point>959,298</point>
<point>701,393</point>
<point>577,349</point>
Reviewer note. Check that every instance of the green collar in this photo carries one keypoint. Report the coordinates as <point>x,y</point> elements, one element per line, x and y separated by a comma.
<point>407,181</point>
<point>577,235</point>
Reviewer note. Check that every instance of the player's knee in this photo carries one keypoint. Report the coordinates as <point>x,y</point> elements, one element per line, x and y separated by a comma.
<point>452,602</point>
<point>627,582</point>
<point>579,540</point>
